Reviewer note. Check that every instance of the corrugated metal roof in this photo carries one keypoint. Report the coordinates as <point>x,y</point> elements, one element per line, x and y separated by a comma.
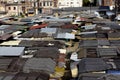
<point>39,26</point>
<point>33,34</point>
<point>39,64</point>
<point>32,43</point>
<point>4,27</point>
<point>65,36</point>
<point>114,35</point>
<point>49,52</point>
<point>11,51</point>
<point>32,76</point>
<point>49,30</point>
<point>92,65</point>
<point>106,52</point>
<point>103,42</point>
<point>115,42</point>
<point>89,43</point>
<point>91,76</point>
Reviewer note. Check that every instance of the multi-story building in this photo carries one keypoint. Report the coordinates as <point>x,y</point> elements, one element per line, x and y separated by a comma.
<point>13,9</point>
<point>55,2</point>
<point>110,3</point>
<point>46,5</point>
<point>117,5</point>
<point>69,3</point>
<point>28,6</point>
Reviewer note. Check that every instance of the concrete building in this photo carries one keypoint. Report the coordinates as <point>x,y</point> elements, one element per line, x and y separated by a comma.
<point>110,3</point>
<point>69,3</point>
<point>28,6</point>
<point>46,5</point>
<point>13,9</point>
<point>55,2</point>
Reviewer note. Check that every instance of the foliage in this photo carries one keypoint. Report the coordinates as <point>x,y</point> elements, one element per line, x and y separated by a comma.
<point>86,2</point>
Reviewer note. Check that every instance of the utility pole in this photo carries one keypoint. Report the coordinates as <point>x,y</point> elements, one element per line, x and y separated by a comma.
<point>116,7</point>
<point>91,1</point>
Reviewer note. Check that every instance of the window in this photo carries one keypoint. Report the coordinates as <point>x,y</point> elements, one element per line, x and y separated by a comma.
<point>71,2</point>
<point>43,3</point>
<point>9,8</point>
<point>50,3</point>
<point>59,3</point>
<point>47,3</point>
<point>14,8</point>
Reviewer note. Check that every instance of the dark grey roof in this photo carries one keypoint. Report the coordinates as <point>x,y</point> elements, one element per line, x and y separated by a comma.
<point>33,33</point>
<point>98,76</point>
<point>103,42</point>
<point>88,36</point>
<point>87,52</point>
<point>39,64</point>
<point>4,63</point>
<point>115,42</point>
<point>92,65</point>
<point>101,35</point>
<point>106,52</point>
<point>117,63</point>
<point>88,43</point>
<point>56,24</point>
<point>91,76</point>
<point>91,52</point>
<point>31,76</point>
<point>52,53</point>
<point>112,25</point>
<point>114,35</point>
<point>60,30</point>
<point>6,76</point>
<point>31,43</point>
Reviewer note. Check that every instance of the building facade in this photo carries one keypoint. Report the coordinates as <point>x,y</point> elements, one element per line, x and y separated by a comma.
<point>110,3</point>
<point>14,9</point>
<point>46,5</point>
<point>69,3</point>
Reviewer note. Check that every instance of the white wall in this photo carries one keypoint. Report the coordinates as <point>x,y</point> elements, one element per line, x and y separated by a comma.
<point>69,3</point>
<point>13,11</point>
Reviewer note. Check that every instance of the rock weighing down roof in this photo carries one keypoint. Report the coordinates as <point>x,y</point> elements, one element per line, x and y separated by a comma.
<point>11,51</point>
<point>39,64</point>
<point>92,65</point>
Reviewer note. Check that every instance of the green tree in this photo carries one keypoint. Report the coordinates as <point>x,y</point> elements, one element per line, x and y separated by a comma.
<point>86,2</point>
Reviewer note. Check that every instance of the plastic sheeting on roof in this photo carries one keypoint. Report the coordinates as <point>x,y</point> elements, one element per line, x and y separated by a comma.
<point>65,36</point>
<point>11,51</point>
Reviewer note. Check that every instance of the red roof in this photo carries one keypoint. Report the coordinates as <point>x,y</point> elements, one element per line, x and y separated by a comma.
<point>38,26</point>
<point>71,26</point>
